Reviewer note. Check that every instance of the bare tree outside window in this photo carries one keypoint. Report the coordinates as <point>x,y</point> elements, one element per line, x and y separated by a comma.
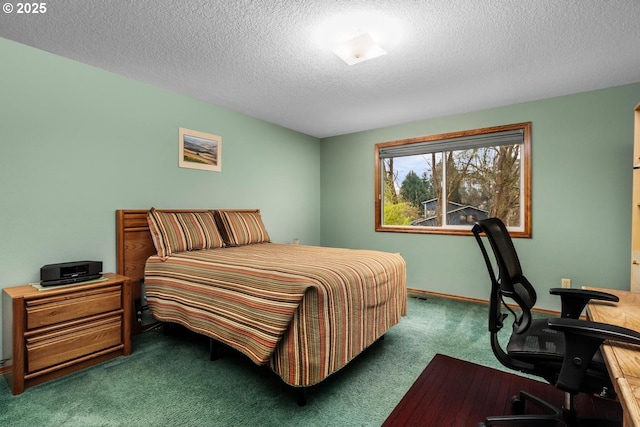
<point>445,183</point>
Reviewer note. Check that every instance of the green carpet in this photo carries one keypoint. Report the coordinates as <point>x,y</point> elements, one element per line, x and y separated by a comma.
<point>169,380</point>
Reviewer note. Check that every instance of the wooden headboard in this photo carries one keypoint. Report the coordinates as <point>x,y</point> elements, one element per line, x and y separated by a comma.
<point>133,246</point>
<point>133,243</point>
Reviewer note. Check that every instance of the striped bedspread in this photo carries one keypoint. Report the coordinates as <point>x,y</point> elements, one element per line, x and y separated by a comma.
<point>306,311</point>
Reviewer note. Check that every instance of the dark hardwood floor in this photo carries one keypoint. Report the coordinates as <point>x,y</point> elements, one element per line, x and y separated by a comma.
<point>454,393</point>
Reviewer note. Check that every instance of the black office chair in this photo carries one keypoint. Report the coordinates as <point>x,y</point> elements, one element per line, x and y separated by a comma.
<point>565,351</point>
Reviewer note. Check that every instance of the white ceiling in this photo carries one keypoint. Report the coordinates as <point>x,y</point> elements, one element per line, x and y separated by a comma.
<point>262,57</point>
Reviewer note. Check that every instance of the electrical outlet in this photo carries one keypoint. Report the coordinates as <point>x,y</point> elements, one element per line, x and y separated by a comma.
<point>566,283</point>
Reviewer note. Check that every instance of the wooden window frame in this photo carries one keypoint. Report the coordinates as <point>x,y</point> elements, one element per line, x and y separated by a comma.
<point>526,186</point>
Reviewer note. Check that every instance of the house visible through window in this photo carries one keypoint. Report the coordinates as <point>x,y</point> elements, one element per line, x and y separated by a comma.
<point>445,183</point>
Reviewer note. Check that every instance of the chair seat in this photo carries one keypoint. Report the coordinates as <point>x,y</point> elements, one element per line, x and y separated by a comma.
<point>544,348</point>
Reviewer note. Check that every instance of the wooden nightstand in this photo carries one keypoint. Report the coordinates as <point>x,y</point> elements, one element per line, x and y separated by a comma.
<point>53,332</point>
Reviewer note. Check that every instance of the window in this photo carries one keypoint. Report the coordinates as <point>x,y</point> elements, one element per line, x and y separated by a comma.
<point>445,183</point>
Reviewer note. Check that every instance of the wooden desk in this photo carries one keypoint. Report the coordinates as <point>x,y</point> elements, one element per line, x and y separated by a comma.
<point>623,360</point>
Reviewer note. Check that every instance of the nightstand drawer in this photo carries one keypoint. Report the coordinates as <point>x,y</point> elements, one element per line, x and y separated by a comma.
<point>76,305</point>
<point>56,347</point>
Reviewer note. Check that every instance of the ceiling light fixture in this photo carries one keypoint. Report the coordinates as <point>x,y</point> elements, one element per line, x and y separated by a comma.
<point>359,36</point>
<point>358,49</point>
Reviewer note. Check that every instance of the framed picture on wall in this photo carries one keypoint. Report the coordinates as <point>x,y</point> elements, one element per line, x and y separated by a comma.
<point>199,150</point>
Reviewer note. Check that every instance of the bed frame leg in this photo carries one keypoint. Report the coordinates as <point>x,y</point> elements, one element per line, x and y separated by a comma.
<point>302,395</point>
<point>213,349</point>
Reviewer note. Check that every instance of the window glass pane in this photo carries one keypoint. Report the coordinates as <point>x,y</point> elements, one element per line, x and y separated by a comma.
<point>484,183</point>
<point>410,192</point>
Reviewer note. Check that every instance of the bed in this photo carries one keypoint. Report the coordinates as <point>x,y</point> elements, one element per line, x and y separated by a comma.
<point>303,311</point>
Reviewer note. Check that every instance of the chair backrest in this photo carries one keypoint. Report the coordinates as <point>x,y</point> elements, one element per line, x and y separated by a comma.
<point>510,281</point>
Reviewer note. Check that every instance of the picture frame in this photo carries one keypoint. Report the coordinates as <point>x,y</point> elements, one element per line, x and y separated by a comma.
<point>199,150</point>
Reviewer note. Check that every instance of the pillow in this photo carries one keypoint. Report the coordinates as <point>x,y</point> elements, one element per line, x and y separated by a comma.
<point>166,232</point>
<point>241,227</point>
<point>200,230</point>
<point>183,231</point>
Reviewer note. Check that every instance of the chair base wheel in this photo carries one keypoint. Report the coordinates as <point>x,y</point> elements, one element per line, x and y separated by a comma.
<point>517,403</point>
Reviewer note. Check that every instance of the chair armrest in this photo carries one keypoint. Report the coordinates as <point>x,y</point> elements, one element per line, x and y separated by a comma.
<point>582,341</point>
<point>584,293</point>
<point>575,300</point>
<point>597,330</point>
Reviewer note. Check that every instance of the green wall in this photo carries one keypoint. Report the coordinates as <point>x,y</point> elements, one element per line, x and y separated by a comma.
<point>582,148</point>
<point>77,143</point>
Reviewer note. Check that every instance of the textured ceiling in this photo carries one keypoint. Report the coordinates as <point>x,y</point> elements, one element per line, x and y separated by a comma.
<point>262,57</point>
